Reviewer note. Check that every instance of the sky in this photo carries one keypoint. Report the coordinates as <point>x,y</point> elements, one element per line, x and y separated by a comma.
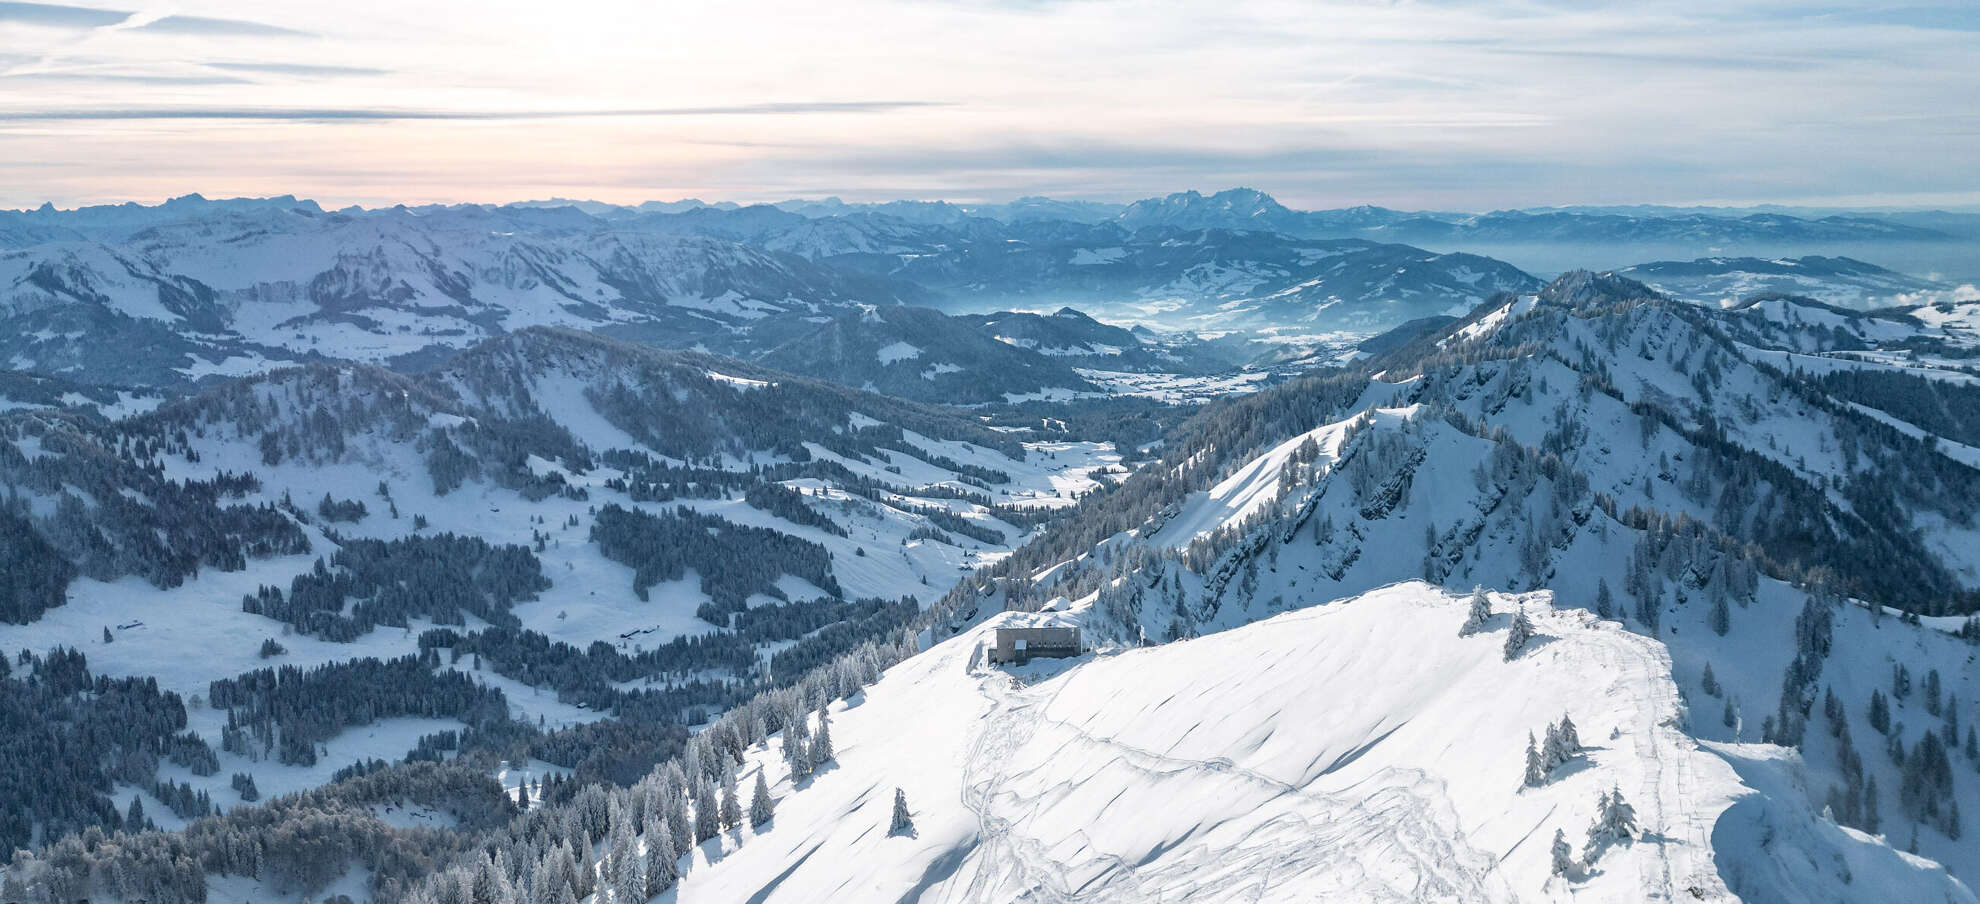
<point>1445,105</point>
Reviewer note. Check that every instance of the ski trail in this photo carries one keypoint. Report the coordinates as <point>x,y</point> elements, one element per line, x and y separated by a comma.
<point>1656,742</point>
<point>1312,843</point>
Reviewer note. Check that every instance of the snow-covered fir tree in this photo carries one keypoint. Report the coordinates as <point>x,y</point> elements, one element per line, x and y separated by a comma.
<point>1615,822</point>
<point>707,811</point>
<point>1570,737</point>
<point>1517,636</point>
<point>903,821</point>
<point>1552,751</point>
<point>627,869</point>
<point>797,749</point>
<point>731,806</point>
<point>1536,768</point>
<point>821,742</point>
<point>674,805</point>
<point>1479,612</point>
<point>760,806</point>
<point>662,860</point>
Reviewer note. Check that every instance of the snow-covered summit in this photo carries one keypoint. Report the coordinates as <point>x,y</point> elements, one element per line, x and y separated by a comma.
<point>1300,758</point>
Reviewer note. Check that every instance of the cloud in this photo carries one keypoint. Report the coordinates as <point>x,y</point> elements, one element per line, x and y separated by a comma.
<point>331,114</point>
<point>202,25</point>
<point>124,78</point>
<point>1328,174</point>
<point>1953,17</point>
<point>302,69</point>
<point>56,15</point>
<point>59,16</point>
<point>1431,103</point>
<point>1678,60</point>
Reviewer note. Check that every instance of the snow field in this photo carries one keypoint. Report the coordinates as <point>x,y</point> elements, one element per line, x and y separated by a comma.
<point>1296,759</point>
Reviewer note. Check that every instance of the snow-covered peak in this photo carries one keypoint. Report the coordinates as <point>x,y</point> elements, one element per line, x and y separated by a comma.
<point>1301,758</point>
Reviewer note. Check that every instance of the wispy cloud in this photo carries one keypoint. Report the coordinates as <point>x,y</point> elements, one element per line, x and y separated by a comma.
<point>1427,103</point>
<point>328,114</point>
<point>301,69</point>
<point>132,78</point>
<point>1960,16</point>
<point>203,25</point>
<point>1676,60</point>
<point>56,15</point>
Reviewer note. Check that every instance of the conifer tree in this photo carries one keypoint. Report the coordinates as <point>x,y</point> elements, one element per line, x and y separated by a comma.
<point>1536,770</point>
<point>1570,737</point>
<point>1615,820</point>
<point>797,752</point>
<point>821,743</point>
<point>1519,634</point>
<point>584,880</point>
<point>1552,753</point>
<point>673,812</point>
<point>1619,818</point>
<point>1474,619</point>
<point>490,884</point>
<point>760,806</point>
<point>707,813</point>
<point>1871,818</point>
<point>662,867</point>
<point>903,821</point>
<point>557,891</point>
<point>627,871</point>
<point>693,762</point>
<point>1563,854</point>
<point>731,806</point>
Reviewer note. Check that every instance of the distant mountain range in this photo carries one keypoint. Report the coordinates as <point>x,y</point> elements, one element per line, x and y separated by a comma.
<point>190,289</point>
<point>1836,280</point>
<point>193,288</point>
<point>1241,209</point>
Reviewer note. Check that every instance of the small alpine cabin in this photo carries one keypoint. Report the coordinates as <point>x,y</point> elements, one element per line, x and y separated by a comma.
<point>1019,645</point>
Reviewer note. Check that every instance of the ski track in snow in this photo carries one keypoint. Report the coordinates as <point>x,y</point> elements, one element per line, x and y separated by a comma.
<point>1336,835</point>
<point>1389,836</point>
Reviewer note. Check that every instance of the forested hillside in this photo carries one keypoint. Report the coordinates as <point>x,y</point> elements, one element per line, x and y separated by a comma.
<point>559,552</point>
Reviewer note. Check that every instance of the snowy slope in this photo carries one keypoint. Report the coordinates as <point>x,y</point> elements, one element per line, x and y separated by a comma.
<point>1517,455</point>
<point>1296,759</point>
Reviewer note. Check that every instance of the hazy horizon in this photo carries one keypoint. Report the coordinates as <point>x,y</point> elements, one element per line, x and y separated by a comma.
<point>1432,106</point>
<point>382,204</point>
